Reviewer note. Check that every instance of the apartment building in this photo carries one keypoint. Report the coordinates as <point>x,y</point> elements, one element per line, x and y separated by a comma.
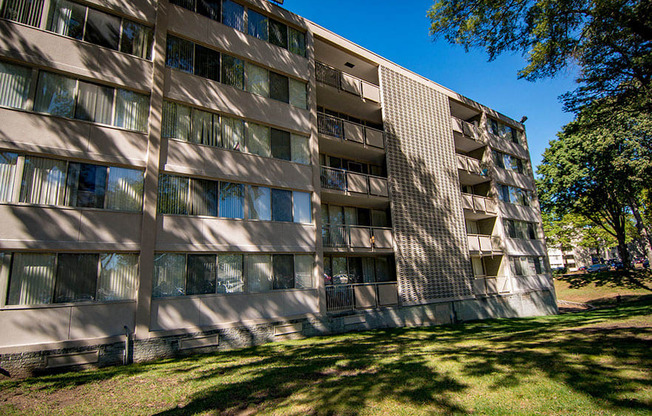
<point>183,176</point>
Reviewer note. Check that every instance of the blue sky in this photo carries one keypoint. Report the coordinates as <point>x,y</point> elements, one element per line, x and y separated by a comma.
<point>398,31</point>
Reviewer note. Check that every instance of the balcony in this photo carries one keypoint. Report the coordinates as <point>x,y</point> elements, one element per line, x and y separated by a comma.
<point>490,285</point>
<point>471,170</point>
<point>350,237</point>
<point>484,244</point>
<point>353,182</point>
<point>347,297</point>
<point>478,207</point>
<point>468,136</point>
<point>346,82</point>
<point>352,132</point>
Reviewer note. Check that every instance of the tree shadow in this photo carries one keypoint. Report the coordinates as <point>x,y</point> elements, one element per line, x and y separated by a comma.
<point>634,279</point>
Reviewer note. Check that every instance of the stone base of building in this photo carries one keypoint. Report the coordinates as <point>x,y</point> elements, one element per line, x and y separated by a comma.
<point>21,364</point>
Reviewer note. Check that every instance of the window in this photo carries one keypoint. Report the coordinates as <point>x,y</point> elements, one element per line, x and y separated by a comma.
<point>44,181</point>
<point>201,274</point>
<point>259,203</point>
<point>257,80</point>
<point>23,11</point>
<point>67,19</point>
<point>131,110</point>
<point>281,205</point>
<point>102,29</point>
<point>230,277</point>
<point>233,15</point>
<point>186,4</point>
<point>207,63</point>
<point>303,267</point>
<point>232,71</point>
<point>259,272</point>
<point>169,275</point>
<point>232,133</point>
<point>8,171</point>
<point>189,124</point>
<point>297,42</point>
<point>302,208</point>
<point>173,194</point>
<point>176,121</point>
<point>15,83</point>
<point>180,54</point>
<point>347,270</point>
<point>279,87</point>
<point>283,269</point>
<point>298,94</point>
<point>231,200</point>
<point>278,34</point>
<point>209,8</point>
<point>57,278</point>
<point>300,149</point>
<point>258,25</point>
<point>94,103</point>
<point>137,39</point>
<point>86,185</point>
<point>281,148</point>
<point>204,197</point>
<point>124,190</point>
<point>259,140</point>
<point>55,95</point>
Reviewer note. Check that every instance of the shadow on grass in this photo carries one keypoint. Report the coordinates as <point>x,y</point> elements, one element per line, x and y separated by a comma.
<point>422,367</point>
<point>634,279</point>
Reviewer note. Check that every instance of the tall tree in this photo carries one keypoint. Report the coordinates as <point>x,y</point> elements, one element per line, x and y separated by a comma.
<point>609,40</point>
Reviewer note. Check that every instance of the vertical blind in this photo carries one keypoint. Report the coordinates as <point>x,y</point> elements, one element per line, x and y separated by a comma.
<point>7,175</point>
<point>15,82</point>
<point>118,276</point>
<point>230,273</point>
<point>23,11</point>
<point>44,181</point>
<point>124,191</point>
<point>259,272</point>
<point>32,279</point>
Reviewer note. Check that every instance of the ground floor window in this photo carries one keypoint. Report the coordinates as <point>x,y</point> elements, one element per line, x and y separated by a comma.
<point>352,269</point>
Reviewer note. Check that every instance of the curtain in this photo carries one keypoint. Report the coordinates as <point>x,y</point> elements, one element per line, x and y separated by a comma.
<point>44,181</point>
<point>259,140</point>
<point>67,18</point>
<point>257,80</point>
<point>303,267</point>
<point>259,203</point>
<point>23,11</point>
<point>173,194</point>
<point>137,39</point>
<point>55,95</point>
<point>302,209</point>
<point>94,103</point>
<point>7,176</point>
<point>202,127</point>
<point>298,95</point>
<point>231,200</point>
<point>32,279</point>
<point>169,275</point>
<point>125,189</point>
<point>76,278</point>
<point>118,276</point>
<point>131,110</point>
<point>300,149</point>
<point>368,270</point>
<point>232,133</point>
<point>201,274</point>
<point>15,82</point>
<point>259,272</point>
<point>229,273</point>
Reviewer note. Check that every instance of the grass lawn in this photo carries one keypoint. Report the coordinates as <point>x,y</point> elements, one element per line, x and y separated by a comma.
<point>590,363</point>
<point>600,288</point>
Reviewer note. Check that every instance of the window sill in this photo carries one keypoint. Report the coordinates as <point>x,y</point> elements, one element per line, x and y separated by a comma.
<point>65,305</point>
<point>230,295</point>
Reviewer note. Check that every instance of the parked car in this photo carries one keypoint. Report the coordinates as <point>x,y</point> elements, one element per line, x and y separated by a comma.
<point>618,265</point>
<point>597,268</point>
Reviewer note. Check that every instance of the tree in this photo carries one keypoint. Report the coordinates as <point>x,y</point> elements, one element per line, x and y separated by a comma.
<point>609,40</point>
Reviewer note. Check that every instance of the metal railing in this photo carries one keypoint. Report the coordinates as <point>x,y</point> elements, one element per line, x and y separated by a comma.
<point>347,130</point>
<point>356,236</point>
<point>353,182</point>
<point>346,82</point>
<point>478,203</point>
<point>345,297</point>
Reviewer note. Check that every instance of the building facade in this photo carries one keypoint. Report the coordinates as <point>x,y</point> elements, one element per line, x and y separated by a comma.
<point>182,176</point>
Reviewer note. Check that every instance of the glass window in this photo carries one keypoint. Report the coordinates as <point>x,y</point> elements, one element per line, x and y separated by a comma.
<point>137,39</point>
<point>232,71</point>
<point>531,231</point>
<point>131,110</point>
<point>257,80</point>
<point>8,172</point>
<point>169,275</point>
<point>283,268</point>
<point>202,130</point>
<point>340,270</point>
<point>258,26</point>
<point>229,273</point>
<point>44,181</point>
<point>173,194</point>
<point>259,203</point>
<point>303,266</point>
<point>281,148</point>
<point>67,18</point>
<point>124,191</point>
<point>300,149</point>
<point>258,140</point>
<point>281,205</point>
<point>384,270</point>
<point>232,133</point>
<point>55,95</point>
<point>278,34</point>
<point>176,121</point>
<point>518,266</point>
<point>118,277</point>
<point>302,209</point>
<point>233,15</point>
<point>32,279</point>
<point>279,88</point>
<point>201,274</point>
<point>207,63</point>
<point>102,29</point>
<point>94,103</point>
<point>231,200</point>
<point>179,54</point>
<point>86,185</point>
<point>368,270</point>
<point>209,8</point>
<point>204,197</point>
<point>15,82</point>
<point>259,272</point>
<point>23,11</point>
<point>298,95</point>
<point>76,278</point>
<point>297,41</point>
<point>186,4</point>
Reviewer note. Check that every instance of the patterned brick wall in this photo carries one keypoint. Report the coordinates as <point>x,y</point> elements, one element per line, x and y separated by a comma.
<point>432,256</point>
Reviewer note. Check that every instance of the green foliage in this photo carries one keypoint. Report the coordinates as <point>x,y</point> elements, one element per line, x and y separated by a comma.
<point>610,41</point>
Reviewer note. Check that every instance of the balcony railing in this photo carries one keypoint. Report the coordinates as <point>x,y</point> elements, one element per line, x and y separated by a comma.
<point>353,132</point>
<point>345,297</point>
<point>356,236</point>
<point>484,243</point>
<point>490,285</point>
<point>353,182</point>
<point>470,165</point>
<point>478,203</point>
<point>467,129</point>
<point>346,82</point>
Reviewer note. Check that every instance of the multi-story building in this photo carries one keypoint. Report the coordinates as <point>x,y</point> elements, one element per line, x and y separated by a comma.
<point>184,175</point>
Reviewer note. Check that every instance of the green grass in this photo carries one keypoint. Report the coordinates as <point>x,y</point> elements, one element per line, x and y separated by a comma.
<point>601,288</point>
<point>589,363</point>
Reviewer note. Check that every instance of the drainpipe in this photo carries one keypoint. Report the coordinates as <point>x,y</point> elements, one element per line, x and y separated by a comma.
<point>125,358</point>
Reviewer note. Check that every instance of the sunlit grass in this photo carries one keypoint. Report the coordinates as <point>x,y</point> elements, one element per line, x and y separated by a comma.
<point>589,363</point>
